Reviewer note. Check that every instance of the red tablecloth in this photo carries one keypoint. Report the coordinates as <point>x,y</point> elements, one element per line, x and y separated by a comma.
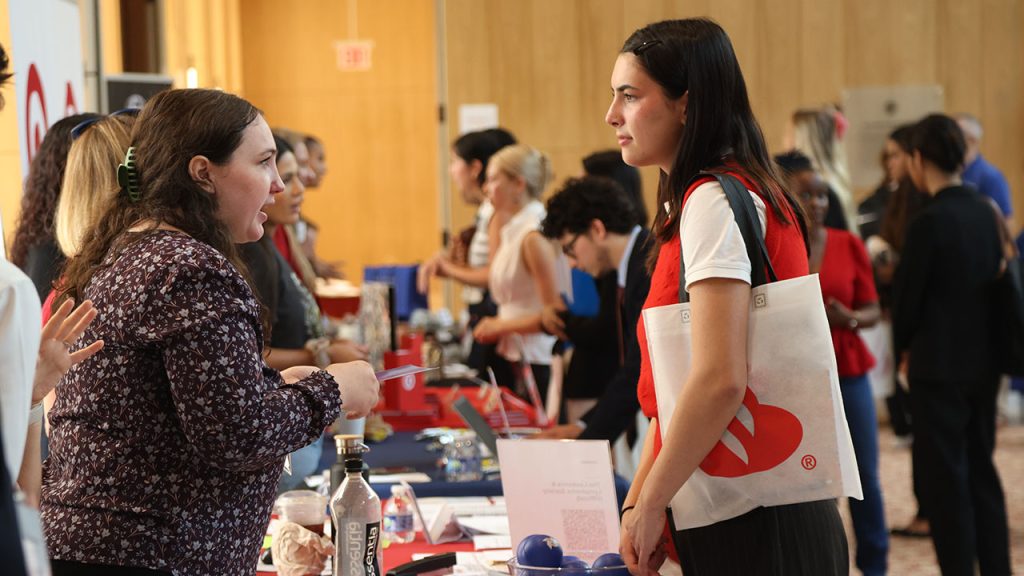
<point>398,554</point>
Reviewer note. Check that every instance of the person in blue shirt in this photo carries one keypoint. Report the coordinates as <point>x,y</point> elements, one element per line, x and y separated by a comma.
<point>978,172</point>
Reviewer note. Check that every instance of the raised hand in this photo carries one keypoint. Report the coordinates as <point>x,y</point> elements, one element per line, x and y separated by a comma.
<point>59,336</point>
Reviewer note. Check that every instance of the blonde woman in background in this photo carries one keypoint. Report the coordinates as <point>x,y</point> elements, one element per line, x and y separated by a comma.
<point>817,133</point>
<point>527,273</point>
<point>90,179</point>
<point>90,184</point>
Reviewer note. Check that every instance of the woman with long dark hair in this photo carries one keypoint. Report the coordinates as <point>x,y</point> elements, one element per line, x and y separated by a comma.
<point>166,447</point>
<point>680,103</point>
<point>473,249</point>
<point>945,320</point>
<point>902,205</point>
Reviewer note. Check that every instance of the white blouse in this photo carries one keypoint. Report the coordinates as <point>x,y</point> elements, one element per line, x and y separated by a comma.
<point>514,291</point>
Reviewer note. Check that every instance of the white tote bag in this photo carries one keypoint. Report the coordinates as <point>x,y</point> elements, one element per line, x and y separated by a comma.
<point>789,441</point>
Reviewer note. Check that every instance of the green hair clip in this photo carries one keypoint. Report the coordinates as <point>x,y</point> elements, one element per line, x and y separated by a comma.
<point>128,177</point>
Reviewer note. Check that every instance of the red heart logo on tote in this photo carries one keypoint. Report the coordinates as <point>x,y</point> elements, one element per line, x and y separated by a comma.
<point>776,435</point>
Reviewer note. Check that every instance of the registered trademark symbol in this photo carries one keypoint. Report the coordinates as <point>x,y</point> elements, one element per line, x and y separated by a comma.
<point>808,462</point>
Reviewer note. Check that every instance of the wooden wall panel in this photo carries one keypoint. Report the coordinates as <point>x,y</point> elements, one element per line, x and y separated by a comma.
<point>599,43</point>
<point>959,59</point>
<point>203,35</point>
<point>999,55</point>
<point>914,60</point>
<point>822,36</point>
<point>779,81</point>
<point>379,200</point>
<point>110,35</point>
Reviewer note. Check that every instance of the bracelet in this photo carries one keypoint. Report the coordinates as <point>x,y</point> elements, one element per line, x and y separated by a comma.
<point>35,414</point>
<point>624,510</point>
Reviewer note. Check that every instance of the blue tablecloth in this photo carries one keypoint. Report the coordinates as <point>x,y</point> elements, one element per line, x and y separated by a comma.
<point>403,450</point>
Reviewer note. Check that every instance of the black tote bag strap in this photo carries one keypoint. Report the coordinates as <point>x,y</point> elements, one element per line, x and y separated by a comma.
<point>745,213</point>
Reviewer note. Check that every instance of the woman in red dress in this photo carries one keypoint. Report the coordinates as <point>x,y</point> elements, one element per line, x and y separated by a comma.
<point>851,302</point>
<point>680,103</point>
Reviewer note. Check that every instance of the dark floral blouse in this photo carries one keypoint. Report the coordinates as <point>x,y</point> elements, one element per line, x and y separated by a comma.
<point>166,447</point>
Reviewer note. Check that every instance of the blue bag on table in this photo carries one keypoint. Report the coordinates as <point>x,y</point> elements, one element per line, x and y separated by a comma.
<point>403,279</point>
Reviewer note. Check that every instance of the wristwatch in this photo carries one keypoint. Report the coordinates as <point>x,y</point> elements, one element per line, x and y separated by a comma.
<point>853,323</point>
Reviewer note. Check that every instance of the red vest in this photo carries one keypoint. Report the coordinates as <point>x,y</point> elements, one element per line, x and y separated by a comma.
<point>786,250</point>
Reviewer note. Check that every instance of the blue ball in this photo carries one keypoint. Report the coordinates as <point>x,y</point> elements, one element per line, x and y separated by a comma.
<point>572,564</point>
<point>609,561</point>
<point>539,551</point>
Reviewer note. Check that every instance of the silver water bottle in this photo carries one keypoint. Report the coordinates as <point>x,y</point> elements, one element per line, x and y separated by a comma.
<point>356,516</point>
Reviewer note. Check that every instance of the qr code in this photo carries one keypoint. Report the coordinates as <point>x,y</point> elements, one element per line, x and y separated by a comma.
<point>584,529</point>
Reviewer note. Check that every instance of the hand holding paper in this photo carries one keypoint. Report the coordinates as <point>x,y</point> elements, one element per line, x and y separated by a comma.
<point>358,387</point>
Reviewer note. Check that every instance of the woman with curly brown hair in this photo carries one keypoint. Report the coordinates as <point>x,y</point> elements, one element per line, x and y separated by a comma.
<point>35,249</point>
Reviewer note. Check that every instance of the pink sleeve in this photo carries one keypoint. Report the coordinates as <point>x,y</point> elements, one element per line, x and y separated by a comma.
<point>48,305</point>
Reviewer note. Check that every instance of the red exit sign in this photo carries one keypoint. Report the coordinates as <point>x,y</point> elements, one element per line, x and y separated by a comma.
<point>354,55</point>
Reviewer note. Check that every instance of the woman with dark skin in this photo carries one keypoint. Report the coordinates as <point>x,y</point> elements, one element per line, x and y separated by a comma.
<point>851,304</point>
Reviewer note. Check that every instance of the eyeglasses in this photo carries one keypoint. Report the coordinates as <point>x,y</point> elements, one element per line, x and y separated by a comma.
<point>84,125</point>
<point>570,248</point>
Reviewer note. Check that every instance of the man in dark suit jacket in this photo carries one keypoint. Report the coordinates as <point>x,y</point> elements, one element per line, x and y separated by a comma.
<point>944,325</point>
<point>596,225</point>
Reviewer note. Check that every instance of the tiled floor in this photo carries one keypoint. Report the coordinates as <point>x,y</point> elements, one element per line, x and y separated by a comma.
<point>915,556</point>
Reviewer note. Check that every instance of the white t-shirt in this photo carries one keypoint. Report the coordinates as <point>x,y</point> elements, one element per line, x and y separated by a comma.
<point>712,244</point>
<point>479,251</point>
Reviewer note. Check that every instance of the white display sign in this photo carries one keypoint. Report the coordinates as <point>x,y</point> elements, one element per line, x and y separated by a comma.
<point>875,111</point>
<point>48,75</point>
<point>563,489</point>
<point>475,117</point>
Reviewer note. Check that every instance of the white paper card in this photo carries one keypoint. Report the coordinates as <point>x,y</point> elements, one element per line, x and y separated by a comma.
<point>485,524</point>
<point>488,559</point>
<point>562,488</point>
<point>491,542</point>
<point>478,506</point>
<point>410,477</point>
